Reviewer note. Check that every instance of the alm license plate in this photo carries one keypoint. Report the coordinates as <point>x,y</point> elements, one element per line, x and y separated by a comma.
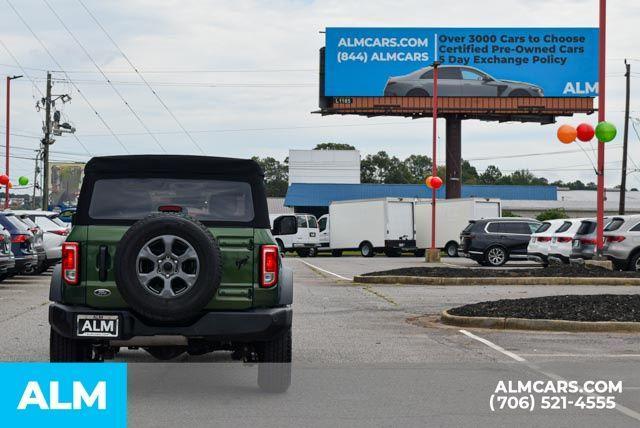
<point>97,325</point>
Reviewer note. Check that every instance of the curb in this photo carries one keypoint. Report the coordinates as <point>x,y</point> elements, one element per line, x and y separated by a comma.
<point>539,324</point>
<point>554,280</point>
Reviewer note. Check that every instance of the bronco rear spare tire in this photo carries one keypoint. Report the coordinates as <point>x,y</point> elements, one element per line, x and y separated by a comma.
<point>168,267</point>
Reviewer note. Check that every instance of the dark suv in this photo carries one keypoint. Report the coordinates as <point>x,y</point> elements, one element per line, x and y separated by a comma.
<point>494,241</point>
<point>22,244</point>
<point>174,254</point>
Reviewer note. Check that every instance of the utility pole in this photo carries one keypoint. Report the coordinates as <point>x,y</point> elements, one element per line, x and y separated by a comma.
<point>623,179</point>
<point>50,127</point>
<point>46,142</point>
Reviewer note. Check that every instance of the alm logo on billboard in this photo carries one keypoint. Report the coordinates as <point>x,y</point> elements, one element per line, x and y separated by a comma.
<point>580,88</point>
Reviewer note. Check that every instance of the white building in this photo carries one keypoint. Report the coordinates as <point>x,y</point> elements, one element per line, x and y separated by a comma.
<point>577,203</point>
<point>324,166</point>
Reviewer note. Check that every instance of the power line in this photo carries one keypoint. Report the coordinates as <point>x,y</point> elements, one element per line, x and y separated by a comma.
<point>184,71</point>
<point>141,77</point>
<point>106,125</point>
<point>193,84</point>
<point>527,155</point>
<point>144,125</point>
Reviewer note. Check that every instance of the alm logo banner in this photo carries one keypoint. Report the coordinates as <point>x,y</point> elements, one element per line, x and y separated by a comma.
<point>63,394</point>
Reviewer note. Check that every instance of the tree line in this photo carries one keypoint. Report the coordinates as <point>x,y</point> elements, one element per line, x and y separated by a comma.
<point>382,168</point>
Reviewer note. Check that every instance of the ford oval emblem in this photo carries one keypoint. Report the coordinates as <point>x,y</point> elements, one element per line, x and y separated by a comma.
<point>102,292</point>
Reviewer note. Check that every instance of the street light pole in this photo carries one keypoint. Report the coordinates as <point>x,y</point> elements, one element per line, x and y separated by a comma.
<point>7,137</point>
<point>601,117</point>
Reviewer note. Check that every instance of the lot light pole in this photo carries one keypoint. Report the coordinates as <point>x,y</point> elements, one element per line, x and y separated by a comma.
<point>601,117</point>
<point>433,255</point>
<point>6,149</point>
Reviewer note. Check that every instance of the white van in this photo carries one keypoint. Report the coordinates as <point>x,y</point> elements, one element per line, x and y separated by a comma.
<point>306,241</point>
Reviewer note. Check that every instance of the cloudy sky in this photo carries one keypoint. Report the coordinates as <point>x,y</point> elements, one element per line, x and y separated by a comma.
<point>242,76</point>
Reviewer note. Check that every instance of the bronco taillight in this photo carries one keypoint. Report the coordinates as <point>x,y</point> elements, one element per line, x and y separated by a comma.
<point>70,262</point>
<point>564,239</point>
<point>268,265</point>
<point>615,238</point>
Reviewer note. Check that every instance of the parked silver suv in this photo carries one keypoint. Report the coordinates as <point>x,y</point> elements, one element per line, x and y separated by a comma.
<point>622,242</point>
<point>584,242</point>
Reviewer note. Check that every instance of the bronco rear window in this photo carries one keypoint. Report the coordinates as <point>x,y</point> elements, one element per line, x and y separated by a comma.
<point>204,199</point>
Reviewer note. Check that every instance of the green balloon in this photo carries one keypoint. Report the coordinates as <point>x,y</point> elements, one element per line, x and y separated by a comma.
<point>23,180</point>
<point>606,131</point>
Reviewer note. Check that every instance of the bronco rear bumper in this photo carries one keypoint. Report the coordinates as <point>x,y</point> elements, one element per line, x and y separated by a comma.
<point>233,326</point>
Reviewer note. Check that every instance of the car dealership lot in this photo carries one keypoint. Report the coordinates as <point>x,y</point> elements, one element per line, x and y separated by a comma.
<point>344,334</point>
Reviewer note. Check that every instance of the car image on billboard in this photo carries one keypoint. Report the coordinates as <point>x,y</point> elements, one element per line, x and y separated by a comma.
<point>455,81</point>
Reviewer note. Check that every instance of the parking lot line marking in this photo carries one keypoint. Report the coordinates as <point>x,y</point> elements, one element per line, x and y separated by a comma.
<point>619,407</point>
<point>325,271</point>
<point>493,346</point>
<point>583,355</point>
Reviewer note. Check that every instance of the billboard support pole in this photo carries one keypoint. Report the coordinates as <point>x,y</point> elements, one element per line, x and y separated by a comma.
<point>454,157</point>
<point>433,255</point>
<point>601,117</point>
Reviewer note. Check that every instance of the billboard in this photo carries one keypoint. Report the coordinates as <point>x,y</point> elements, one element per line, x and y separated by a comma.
<point>65,180</point>
<point>489,62</point>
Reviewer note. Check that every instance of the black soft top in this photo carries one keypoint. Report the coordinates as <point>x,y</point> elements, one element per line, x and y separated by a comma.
<point>175,166</point>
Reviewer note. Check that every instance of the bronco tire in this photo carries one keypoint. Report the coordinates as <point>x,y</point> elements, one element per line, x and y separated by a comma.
<point>65,350</point>
<point>168,267</point>
<point>274,367</point>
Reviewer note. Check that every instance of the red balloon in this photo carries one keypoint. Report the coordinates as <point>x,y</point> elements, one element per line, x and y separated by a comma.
<point>4,179</point>
<point>585,132</point>
<point>435,182</point>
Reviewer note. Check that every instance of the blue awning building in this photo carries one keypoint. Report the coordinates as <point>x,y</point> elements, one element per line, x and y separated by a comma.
<point>315,198</point>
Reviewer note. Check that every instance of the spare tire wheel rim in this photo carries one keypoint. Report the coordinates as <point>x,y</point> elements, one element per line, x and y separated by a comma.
<point>167,266</point>
<point>496,256</point>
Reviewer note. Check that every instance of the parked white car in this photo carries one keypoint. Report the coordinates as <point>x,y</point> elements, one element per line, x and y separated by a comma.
<point>53,233</point>
<point>562,240</point>
<point>538,248</point>
<point>306,241</point>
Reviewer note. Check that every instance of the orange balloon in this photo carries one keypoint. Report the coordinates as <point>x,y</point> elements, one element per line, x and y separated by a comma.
<point>9,185</point>
<point>567,134</point>
<point>427,181</point>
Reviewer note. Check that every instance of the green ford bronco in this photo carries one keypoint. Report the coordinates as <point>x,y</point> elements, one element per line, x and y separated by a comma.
<point>174,254</point>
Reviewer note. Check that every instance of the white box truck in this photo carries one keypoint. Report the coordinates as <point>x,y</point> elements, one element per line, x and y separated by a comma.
<point>452,216</point>
<point>371,226</point>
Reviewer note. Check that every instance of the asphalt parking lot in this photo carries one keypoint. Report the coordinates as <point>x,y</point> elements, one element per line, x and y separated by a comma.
<point>365,338</point>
